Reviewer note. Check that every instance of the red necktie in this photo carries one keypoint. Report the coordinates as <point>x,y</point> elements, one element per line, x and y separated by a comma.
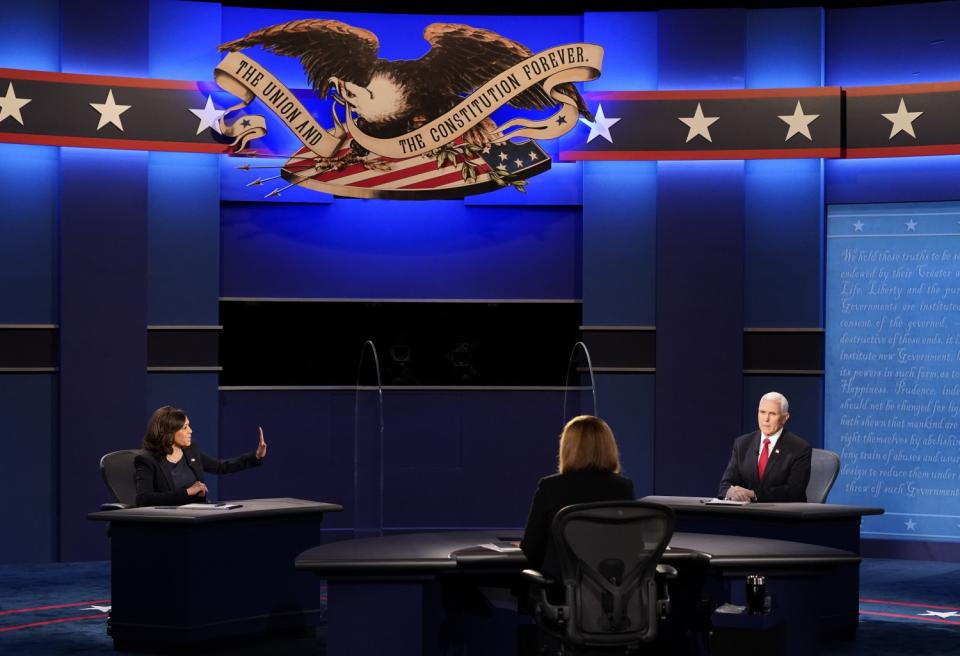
<point>762,463</point>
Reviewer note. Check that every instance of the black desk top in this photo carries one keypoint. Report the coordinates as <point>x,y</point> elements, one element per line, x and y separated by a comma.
<point>429,554</point>
<point>790,511</point>
<point>250,508</point>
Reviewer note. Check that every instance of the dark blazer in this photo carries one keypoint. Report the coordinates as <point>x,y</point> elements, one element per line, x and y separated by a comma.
<point>556,492</point>
<point>786,475</point>
<point>155,485</point>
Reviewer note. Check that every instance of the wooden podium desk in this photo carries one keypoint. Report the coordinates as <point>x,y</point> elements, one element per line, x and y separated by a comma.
<point>182,577</point>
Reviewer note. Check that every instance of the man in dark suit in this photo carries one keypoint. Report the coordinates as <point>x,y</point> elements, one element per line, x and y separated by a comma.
<point>770,464</point>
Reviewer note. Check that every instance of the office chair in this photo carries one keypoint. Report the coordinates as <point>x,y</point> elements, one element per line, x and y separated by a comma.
<point>613,597</point>
<point>117,471</point>
<point>824,467</point>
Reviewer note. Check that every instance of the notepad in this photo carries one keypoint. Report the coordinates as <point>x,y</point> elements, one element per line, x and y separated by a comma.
<point>726,502</point>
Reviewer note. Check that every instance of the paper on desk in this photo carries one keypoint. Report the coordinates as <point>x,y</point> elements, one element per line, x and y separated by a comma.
<point>500,548</point>
<point>209,506</point>
<point>726,502</point>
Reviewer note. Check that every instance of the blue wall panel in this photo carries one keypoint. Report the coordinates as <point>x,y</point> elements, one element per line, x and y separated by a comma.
<point>184,239</point>
<point>103,341</point>
<point>397,249</point>
<point>183,39</point>
<point>891,179</point>
<point>902,44</point>
<point>31,35</point>
<point>784,48</point>
<point>627,403</point>
<point>783,254</point>
<point>29,184</point>
<point>701,49</point>
<point>28,404</point>
<point>630,45</point>
<point>93,45</point>
<point>700,256</point>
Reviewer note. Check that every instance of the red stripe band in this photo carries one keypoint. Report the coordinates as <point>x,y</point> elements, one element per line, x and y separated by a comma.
<point>16,627</point>
<point>52,606</point>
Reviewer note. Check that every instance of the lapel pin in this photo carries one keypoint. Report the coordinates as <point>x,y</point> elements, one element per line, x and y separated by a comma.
<point>194,459</point>
<point>776,450</point>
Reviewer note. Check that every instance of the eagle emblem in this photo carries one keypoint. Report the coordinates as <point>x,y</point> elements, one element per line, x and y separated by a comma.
<point>391,118</point>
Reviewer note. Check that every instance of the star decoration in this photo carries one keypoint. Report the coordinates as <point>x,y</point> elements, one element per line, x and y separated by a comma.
<point>942,615</point>
<point>503,156</point>
<point>486,149</point>
<point>518,162</point>
<point>10,105</point>
<point>910,524</point>
<point>601,126</point>
<point>858,226</point>
<point>911,225</point>
<point>209,116</point>
<point>561,120</point>
<point>110,111</point>
<point>902,120</point>
<point>799,122</point>
<point>699,124</point>
<point>533,156</point>
<point>245,123</point>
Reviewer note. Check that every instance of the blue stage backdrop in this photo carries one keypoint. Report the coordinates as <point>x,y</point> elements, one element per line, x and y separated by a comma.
<point>892,375</point>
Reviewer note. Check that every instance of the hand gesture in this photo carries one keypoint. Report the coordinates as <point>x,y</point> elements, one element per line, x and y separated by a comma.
<point>197,489</point>
<point>262,446</point>
<point>738,493</point>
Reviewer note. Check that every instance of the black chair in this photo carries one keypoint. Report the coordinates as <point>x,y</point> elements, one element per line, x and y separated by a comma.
<point>614,590</point>
<point>824,468</point>
<point>117,471</point>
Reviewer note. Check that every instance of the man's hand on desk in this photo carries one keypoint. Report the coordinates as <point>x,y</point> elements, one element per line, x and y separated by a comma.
<point>737,493</point>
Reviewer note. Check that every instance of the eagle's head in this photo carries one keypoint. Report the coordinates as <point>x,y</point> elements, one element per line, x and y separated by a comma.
<point>383,99</point>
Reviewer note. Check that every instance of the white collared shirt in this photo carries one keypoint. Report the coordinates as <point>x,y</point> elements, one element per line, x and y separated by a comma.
<point>773,443</point>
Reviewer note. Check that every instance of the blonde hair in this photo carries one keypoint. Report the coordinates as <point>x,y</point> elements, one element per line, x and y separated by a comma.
<point>588,443</point>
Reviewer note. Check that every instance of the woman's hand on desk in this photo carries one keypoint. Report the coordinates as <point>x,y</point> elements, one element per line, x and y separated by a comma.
<point>197,489</point>
<point>262,446</point>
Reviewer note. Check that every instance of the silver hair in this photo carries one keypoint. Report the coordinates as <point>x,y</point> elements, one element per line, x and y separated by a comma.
<point>777,396</point>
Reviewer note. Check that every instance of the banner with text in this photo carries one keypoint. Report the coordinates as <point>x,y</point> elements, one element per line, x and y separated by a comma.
<point>893,365</point>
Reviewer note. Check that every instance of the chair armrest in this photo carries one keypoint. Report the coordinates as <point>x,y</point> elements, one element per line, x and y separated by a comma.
<point>536,578</point>
<point>668,572</point>
<point>114,506</point>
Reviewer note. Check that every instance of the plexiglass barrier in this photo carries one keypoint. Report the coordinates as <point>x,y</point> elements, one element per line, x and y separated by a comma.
<point>368,445</point>
<point>579,390</point>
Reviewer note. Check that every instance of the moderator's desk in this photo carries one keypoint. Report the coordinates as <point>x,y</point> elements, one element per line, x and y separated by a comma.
<point>829,525</point>
<point>182,577</point>
<point>421,593</point>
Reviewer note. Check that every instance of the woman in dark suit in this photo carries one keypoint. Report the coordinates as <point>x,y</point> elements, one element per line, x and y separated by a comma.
<point>170,473</point>
<point>589,470</point>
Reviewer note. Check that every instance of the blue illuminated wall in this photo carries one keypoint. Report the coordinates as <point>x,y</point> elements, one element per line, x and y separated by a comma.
<point>102,244</point>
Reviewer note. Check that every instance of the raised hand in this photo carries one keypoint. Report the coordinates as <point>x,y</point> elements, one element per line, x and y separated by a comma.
<point>262,446</point>
<point>197,489</point>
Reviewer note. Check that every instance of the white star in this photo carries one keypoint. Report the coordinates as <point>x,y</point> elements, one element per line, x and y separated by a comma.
<point>533,156</point>
<point>910,524</point>
<point>503,156</point>
<point>209,116</point>
<point>102,609</point>
<point>799,122</point>
<point>699,124</point>
<point>902,121</point>
<point>942,615</point>
<point>601,126</point>
<point>858,226</point>
<point>10,105</point>
<point>911,225</point>
<point>518,162</point>
<point>110,111</point>
<point>486,149</point>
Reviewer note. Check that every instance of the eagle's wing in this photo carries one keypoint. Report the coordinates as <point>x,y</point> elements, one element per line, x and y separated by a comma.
<point>463,57</point>
<point>326,48</point>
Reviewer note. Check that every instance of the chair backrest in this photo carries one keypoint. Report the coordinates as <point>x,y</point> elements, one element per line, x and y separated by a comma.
<point>117,470</point>
<point>609,553</point>
<point>824,467</point>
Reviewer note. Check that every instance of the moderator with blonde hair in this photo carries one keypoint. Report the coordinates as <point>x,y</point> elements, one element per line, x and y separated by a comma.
<point>587,442</point>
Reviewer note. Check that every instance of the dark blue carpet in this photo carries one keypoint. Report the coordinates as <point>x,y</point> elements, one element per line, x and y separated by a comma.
<point>907,607</point>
